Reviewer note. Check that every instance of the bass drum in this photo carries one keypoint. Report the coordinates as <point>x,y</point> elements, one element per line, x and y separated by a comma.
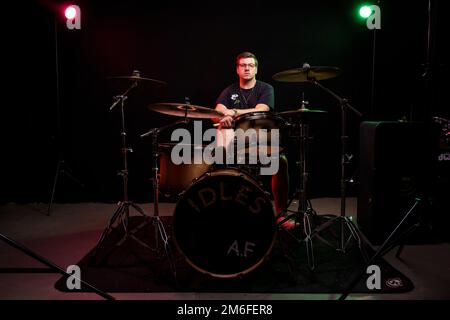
<point>224,224</point>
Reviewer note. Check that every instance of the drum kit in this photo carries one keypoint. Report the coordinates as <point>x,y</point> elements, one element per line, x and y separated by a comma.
<point>224,222</point>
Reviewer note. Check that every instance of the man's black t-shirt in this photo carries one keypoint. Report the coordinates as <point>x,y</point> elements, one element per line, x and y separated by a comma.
<point>234,97</point>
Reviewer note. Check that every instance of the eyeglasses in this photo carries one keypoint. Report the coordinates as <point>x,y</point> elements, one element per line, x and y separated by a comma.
<point>250,65</point>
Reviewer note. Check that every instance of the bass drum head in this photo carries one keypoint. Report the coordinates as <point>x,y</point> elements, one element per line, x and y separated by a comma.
<point>224,224</point>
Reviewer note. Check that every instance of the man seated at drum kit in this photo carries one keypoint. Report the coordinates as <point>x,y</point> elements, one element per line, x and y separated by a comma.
<point>251,96</point>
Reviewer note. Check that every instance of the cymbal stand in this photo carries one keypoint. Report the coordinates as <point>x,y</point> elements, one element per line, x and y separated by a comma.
<point>158,225</point>
<point>344,222</point>
<point>122,213</point>
<point>304,210</point>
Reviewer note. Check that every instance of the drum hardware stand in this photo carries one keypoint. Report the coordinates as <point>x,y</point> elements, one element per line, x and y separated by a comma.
<point>122,213</point>
<point>344,222</point>
<point>304,210</point>
<point>157,223</point>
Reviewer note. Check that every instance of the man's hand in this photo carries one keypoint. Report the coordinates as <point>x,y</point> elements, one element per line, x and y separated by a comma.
<point>226,122</point>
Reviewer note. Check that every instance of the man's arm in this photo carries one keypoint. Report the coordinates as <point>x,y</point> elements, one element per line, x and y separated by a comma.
<point>259,107</point>
<point>236,112</point>
<point>226,121</point>
<point>221,108</point>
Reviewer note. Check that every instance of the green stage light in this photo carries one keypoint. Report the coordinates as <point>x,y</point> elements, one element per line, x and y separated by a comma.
<point>365,12</point>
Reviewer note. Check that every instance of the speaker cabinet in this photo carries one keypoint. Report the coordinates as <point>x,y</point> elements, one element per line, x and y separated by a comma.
<point>395,161</point>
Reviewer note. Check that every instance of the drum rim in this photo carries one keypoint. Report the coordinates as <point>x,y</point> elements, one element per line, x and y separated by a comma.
<point>264,257</point>
<point>256,115</point>
<point>236,274</point>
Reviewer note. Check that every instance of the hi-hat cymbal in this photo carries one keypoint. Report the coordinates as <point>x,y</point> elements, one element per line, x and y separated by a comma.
<point>137,79</point>
<point>300,112</point>
<point>306,74</point>
<point>185,110</point>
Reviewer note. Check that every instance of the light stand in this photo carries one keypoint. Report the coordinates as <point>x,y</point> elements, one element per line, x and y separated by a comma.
<point>390,241</point>
<point>61,166</point>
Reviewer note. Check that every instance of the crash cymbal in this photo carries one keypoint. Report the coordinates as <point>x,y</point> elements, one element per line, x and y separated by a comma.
<point>300,112</point>
<point>188,110</point>
<point>307,73</point>
<point>137,79</point>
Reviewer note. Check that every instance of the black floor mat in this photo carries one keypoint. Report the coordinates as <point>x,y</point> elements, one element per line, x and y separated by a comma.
<point>132,267</point>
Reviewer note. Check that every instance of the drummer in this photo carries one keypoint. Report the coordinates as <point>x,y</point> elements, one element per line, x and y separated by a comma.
<point>250,95</point>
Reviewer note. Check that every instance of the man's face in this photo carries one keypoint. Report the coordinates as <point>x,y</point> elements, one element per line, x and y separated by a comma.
<point>246,68</point>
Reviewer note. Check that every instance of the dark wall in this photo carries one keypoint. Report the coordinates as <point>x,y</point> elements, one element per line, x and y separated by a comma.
<point>192,47</point>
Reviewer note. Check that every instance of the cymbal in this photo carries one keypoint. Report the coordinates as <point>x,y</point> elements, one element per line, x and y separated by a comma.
<point>188,110</point>
<point>306,74</point>
<point>135,78</point>
<point>173,144</point>
<point>300,112</point>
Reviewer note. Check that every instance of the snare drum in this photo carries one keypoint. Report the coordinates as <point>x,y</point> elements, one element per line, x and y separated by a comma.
<point>224,224</point>
<point>261,120</point>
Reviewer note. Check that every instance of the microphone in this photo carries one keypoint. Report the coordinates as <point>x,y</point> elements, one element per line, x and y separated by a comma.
<point>306,67</point>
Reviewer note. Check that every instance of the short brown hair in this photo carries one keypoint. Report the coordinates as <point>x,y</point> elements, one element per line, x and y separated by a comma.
<point>244,55</point>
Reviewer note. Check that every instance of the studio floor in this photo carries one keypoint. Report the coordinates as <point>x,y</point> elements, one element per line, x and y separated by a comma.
<point>72,230</point>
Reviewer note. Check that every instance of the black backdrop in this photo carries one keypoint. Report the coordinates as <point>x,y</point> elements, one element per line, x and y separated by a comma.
<point>192,46</point>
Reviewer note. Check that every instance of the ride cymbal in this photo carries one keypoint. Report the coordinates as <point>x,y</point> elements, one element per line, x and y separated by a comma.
<point>300,112</point>
<point>306,74</point>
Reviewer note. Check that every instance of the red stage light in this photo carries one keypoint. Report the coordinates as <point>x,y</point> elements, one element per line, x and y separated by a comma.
<point>70,12</point>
